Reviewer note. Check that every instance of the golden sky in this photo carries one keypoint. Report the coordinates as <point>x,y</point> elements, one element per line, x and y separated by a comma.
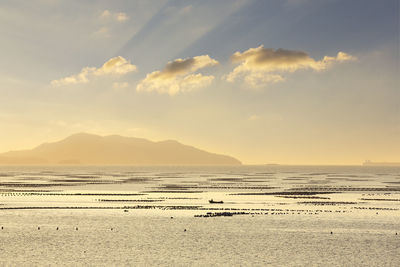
<point>290,82</point>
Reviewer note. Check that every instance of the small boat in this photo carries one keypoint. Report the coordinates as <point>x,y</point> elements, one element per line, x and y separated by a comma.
<point>215,202</point>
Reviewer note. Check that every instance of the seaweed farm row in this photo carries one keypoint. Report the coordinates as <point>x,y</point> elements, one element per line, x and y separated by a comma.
<point>189,189</point>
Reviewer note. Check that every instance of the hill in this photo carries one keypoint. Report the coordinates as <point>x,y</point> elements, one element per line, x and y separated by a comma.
<point>90,149</point>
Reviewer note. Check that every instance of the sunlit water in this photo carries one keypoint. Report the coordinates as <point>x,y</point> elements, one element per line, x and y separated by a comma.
<point>271,215</point>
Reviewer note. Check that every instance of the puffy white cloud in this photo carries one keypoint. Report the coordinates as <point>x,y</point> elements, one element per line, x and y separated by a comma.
<point>81,77</point>
<point>259,66</point>
<point>117,66</point>
<point>340,57</point>
<point>178,76</point>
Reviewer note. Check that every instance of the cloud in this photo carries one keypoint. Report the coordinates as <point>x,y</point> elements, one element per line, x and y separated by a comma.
<point>108,20</point>
<point>178,76</point>
<point>114,66</point>
<point>256,78</point>
<point>259,66</point>
<point>81,77</point>
<point>102,32</point>
<point>120,16</point>
<point>106,14</point>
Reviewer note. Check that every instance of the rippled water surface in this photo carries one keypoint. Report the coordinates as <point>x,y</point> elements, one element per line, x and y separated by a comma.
<point>270,215</point>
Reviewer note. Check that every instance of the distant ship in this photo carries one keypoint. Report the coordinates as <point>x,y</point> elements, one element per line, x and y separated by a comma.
<point>215,202</point>
<point>390,164</point>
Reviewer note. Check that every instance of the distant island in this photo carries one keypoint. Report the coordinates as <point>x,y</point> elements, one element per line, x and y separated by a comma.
<point>371,163</point>
<point>90,149</point>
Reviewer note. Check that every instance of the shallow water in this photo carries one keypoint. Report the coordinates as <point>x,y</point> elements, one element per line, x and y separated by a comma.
<point>281,216</point>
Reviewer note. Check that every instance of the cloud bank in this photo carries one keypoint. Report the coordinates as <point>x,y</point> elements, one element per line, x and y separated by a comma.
<point>259,66</point>
<point>117,66</point>
<point>178,76</point>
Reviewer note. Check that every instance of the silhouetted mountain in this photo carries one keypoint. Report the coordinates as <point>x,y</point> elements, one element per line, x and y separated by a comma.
<point>89,149</point>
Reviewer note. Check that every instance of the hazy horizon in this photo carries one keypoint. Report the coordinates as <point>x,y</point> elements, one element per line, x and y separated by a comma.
<point>267,82</point>
<point>366,162</point>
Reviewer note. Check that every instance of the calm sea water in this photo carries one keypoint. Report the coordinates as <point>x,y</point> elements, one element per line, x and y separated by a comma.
<point>270,216</point>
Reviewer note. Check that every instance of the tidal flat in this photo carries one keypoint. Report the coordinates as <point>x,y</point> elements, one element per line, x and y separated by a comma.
<point>270,216</point>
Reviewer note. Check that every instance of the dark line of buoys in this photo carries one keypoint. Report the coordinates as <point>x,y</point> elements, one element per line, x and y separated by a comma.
<point>112,228</point>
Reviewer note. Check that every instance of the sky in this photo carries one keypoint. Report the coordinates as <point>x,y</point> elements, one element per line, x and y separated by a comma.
<point>265,81</point>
